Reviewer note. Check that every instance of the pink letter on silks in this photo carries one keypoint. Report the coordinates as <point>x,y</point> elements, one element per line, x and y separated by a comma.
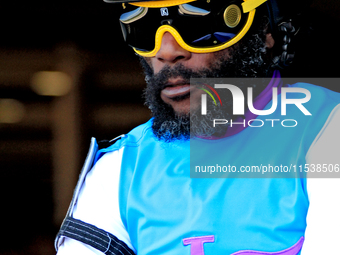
<point>197,243</point>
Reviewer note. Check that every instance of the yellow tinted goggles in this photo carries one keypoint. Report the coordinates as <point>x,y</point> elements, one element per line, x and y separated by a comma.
<point>197,26</point>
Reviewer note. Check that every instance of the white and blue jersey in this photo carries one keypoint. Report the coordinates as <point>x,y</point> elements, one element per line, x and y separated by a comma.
<point>139,194</point>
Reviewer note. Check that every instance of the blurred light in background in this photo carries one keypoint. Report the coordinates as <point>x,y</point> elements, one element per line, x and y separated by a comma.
<point>11,111</point>
<point>51,83</point>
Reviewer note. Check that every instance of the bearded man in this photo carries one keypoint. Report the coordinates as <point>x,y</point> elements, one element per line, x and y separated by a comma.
<point>136,195</point>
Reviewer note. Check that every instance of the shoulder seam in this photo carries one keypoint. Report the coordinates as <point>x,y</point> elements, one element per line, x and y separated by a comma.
<point>107,143</point>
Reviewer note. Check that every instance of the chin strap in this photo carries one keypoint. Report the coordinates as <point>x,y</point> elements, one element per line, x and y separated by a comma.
<point>285,53</point>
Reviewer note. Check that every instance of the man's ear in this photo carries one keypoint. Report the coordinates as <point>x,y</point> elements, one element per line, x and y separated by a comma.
<point>269,41</point>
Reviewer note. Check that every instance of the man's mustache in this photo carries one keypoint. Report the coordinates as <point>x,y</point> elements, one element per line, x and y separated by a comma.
<point>180,72</point>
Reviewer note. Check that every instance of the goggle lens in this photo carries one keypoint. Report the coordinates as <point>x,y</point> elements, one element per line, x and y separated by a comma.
<point>198,29</point>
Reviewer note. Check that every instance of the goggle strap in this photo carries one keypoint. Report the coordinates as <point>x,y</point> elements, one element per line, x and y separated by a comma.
<point>249,5</point>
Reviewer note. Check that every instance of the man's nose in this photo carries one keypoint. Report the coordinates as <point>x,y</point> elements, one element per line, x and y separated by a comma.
<point>171,52</point>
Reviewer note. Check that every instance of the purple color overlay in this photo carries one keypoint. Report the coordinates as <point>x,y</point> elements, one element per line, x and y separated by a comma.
<point>196,243</point>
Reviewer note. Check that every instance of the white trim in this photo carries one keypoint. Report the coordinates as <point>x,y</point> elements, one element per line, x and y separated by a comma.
<point>323,220</point>
<point>98,201</point>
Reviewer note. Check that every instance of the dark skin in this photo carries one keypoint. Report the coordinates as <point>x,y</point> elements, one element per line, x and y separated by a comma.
<point>170,54</point>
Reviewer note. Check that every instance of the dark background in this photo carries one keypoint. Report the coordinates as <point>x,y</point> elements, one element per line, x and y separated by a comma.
<point>49,143</point>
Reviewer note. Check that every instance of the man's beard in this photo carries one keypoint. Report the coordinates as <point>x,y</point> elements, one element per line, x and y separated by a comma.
<point>246,59</point>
